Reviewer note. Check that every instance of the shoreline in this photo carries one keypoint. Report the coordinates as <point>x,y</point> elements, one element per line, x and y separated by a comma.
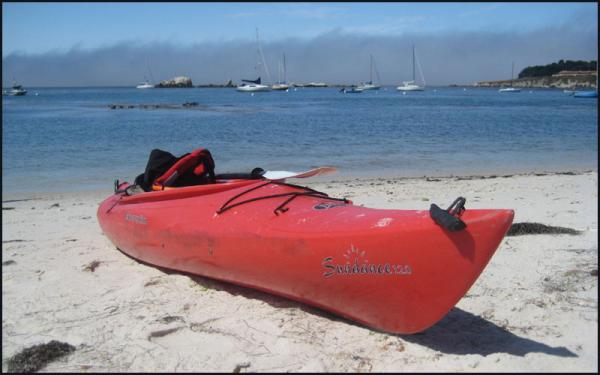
<point>333,86</point>
<point>331,178</point>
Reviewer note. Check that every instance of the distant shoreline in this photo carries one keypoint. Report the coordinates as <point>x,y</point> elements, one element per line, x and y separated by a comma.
<point>214,86</point>
<point>29,193</point>
<point>564,80</point>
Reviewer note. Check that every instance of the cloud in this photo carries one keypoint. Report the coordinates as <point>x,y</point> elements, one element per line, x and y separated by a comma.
<point>311,11</point>
<point>481,10</point>
<point>391,26</point>
<point>337,56</point>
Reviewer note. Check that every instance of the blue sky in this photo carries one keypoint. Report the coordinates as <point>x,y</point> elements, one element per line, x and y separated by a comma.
<point>34,28</point>
<point>103,44</point>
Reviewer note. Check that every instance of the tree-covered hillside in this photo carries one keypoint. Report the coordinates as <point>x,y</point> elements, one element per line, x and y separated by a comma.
<point>550,69</point>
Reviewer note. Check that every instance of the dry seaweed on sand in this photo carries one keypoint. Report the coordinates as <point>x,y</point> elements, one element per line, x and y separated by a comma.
<point>36,357</point>
<point>92,266</point>
<point>520,229</point>
<point>240,366</point>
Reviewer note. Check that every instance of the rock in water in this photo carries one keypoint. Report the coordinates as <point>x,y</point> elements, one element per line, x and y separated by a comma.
<point>176,82</point>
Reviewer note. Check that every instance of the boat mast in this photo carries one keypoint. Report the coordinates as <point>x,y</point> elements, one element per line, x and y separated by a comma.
<point>279,68</point>
<point>413,63</point>
<point>377,74</point>
<point>284,72</point>
<point>512,73</point>
<point>257,67</point>
<point>262,56</point>
<point>151,76</point>
<point>371,70</point>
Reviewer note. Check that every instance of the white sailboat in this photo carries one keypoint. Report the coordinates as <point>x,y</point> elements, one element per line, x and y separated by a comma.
<point>252,86</point>
<point>370,85</point>
<point>511,89</point>
<point>281,84</point>
<point>352,90</point>
<point>411,85</point>
<point>256,85</point>
<point>146,84</point>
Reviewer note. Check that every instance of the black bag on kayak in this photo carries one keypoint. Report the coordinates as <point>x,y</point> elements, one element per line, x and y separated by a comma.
<point>158,163</point>
<point>196,168</point>
<point>165,170</point>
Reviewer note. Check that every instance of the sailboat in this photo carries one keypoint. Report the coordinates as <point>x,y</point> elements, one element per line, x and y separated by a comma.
<point>352,90</point>
<point>256,85</point>
<point>281,85</point>
<point>510,89</point>
<point>252,86</point>
<point>146,84</point>
<point>411,85</point>
<point>369,85</point>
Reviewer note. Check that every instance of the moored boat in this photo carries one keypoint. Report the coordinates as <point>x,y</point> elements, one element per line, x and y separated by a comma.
<point>399,271</point>
<point>369,85</point>
<point>281,84</point>
<point>511,88</point>
<point>16,90</point>
<point>585,94</point>
<point>252,86</point>
<point>145,85</point>
<point>412,85</point>
<point>256,85</point>
<point>352,90</point>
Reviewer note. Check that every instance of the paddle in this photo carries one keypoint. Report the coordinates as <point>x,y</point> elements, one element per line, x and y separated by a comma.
<point>280,175</point>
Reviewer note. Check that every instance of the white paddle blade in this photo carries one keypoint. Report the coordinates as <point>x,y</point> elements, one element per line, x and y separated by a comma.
<point>280,175</point>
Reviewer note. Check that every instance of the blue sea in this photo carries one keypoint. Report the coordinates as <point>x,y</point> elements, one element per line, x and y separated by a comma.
<point>67,139</point>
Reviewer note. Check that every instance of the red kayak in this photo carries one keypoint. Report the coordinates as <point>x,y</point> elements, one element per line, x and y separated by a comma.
<point>398,271</point>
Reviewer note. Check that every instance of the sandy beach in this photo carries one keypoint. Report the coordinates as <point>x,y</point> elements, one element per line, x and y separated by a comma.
<point>534,308</point>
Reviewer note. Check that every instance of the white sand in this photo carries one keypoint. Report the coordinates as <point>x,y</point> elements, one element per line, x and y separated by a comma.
<point>534,308</point>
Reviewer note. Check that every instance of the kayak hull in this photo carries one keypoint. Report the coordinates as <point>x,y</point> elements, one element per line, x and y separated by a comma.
<point>392,270</point>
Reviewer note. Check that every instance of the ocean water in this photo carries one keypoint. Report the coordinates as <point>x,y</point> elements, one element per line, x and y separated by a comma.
<point>66,139</point>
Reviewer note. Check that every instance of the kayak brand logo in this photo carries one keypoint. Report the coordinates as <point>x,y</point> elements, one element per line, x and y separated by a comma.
<point>326,205</point>
<point>136,218</point>
<point>356,263</point>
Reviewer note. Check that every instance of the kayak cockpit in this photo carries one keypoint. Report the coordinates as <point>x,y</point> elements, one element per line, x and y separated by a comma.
<point>192,174</point>
<point>185,191</point>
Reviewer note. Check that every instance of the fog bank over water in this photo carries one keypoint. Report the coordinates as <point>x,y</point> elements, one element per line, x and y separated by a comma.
<point>334,57</point>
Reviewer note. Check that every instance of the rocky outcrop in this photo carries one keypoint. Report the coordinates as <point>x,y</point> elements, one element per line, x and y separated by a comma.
<point>562,80</point>
<point>176,82</point>
<point>186,105</point>
<point>217,85</point>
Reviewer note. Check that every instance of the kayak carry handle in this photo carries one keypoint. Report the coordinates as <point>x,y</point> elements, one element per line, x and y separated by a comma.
<point>450,218</point>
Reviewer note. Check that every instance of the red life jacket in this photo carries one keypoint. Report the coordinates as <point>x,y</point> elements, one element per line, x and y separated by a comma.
<point>195,168</point>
